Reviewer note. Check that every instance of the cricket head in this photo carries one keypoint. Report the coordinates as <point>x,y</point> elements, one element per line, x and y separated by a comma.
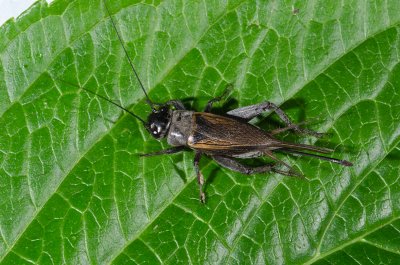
<point>158,121</point>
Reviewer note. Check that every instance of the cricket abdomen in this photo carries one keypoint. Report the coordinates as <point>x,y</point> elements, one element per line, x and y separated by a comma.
<point>180,128</point>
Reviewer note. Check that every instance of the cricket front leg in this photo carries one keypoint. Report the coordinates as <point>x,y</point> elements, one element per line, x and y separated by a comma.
<point>217,99</point>
<point>168,151</point>
<point>252,111</point>
<point>176,103</point>
<point>200,178</point>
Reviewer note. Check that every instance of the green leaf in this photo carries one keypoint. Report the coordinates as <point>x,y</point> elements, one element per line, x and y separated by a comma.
<point>74,190</point>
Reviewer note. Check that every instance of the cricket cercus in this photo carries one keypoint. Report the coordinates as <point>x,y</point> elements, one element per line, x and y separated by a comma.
<point>224,138</point>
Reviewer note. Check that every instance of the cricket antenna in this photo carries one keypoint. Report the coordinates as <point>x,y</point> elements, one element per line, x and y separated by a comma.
<point>115,104</point>
<point>102,97</point>
<point>127,56</point>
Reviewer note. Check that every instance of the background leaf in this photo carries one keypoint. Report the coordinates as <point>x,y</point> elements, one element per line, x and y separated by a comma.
<point>73,189</point>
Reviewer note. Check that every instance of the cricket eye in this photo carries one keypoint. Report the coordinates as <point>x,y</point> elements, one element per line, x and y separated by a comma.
<point>157,129</point>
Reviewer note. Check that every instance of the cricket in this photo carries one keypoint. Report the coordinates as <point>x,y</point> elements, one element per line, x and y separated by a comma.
<point>223,138</point>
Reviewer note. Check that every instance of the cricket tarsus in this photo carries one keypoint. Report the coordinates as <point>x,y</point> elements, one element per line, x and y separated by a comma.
<point>129,58</point>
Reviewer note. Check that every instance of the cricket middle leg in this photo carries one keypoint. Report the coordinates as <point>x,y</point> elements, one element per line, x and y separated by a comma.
<point>200,178</point>
<point>252,111</point>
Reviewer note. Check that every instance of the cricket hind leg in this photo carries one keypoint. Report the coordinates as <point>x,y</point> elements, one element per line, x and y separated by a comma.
<point>200,178</point>
<point>234,165</point>
<point>219,98</point>
<point>289,172</point>
<point>252,111</point>
<point>287,128</point>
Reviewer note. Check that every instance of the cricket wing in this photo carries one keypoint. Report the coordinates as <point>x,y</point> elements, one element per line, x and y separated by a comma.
<point>217,134</point>
<point>301,147</point>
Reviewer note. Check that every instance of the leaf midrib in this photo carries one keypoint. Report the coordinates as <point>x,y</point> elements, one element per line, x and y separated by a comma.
<point>344,244</point>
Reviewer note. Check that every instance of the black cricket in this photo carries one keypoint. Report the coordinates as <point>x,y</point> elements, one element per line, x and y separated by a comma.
<point>223,138</point>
